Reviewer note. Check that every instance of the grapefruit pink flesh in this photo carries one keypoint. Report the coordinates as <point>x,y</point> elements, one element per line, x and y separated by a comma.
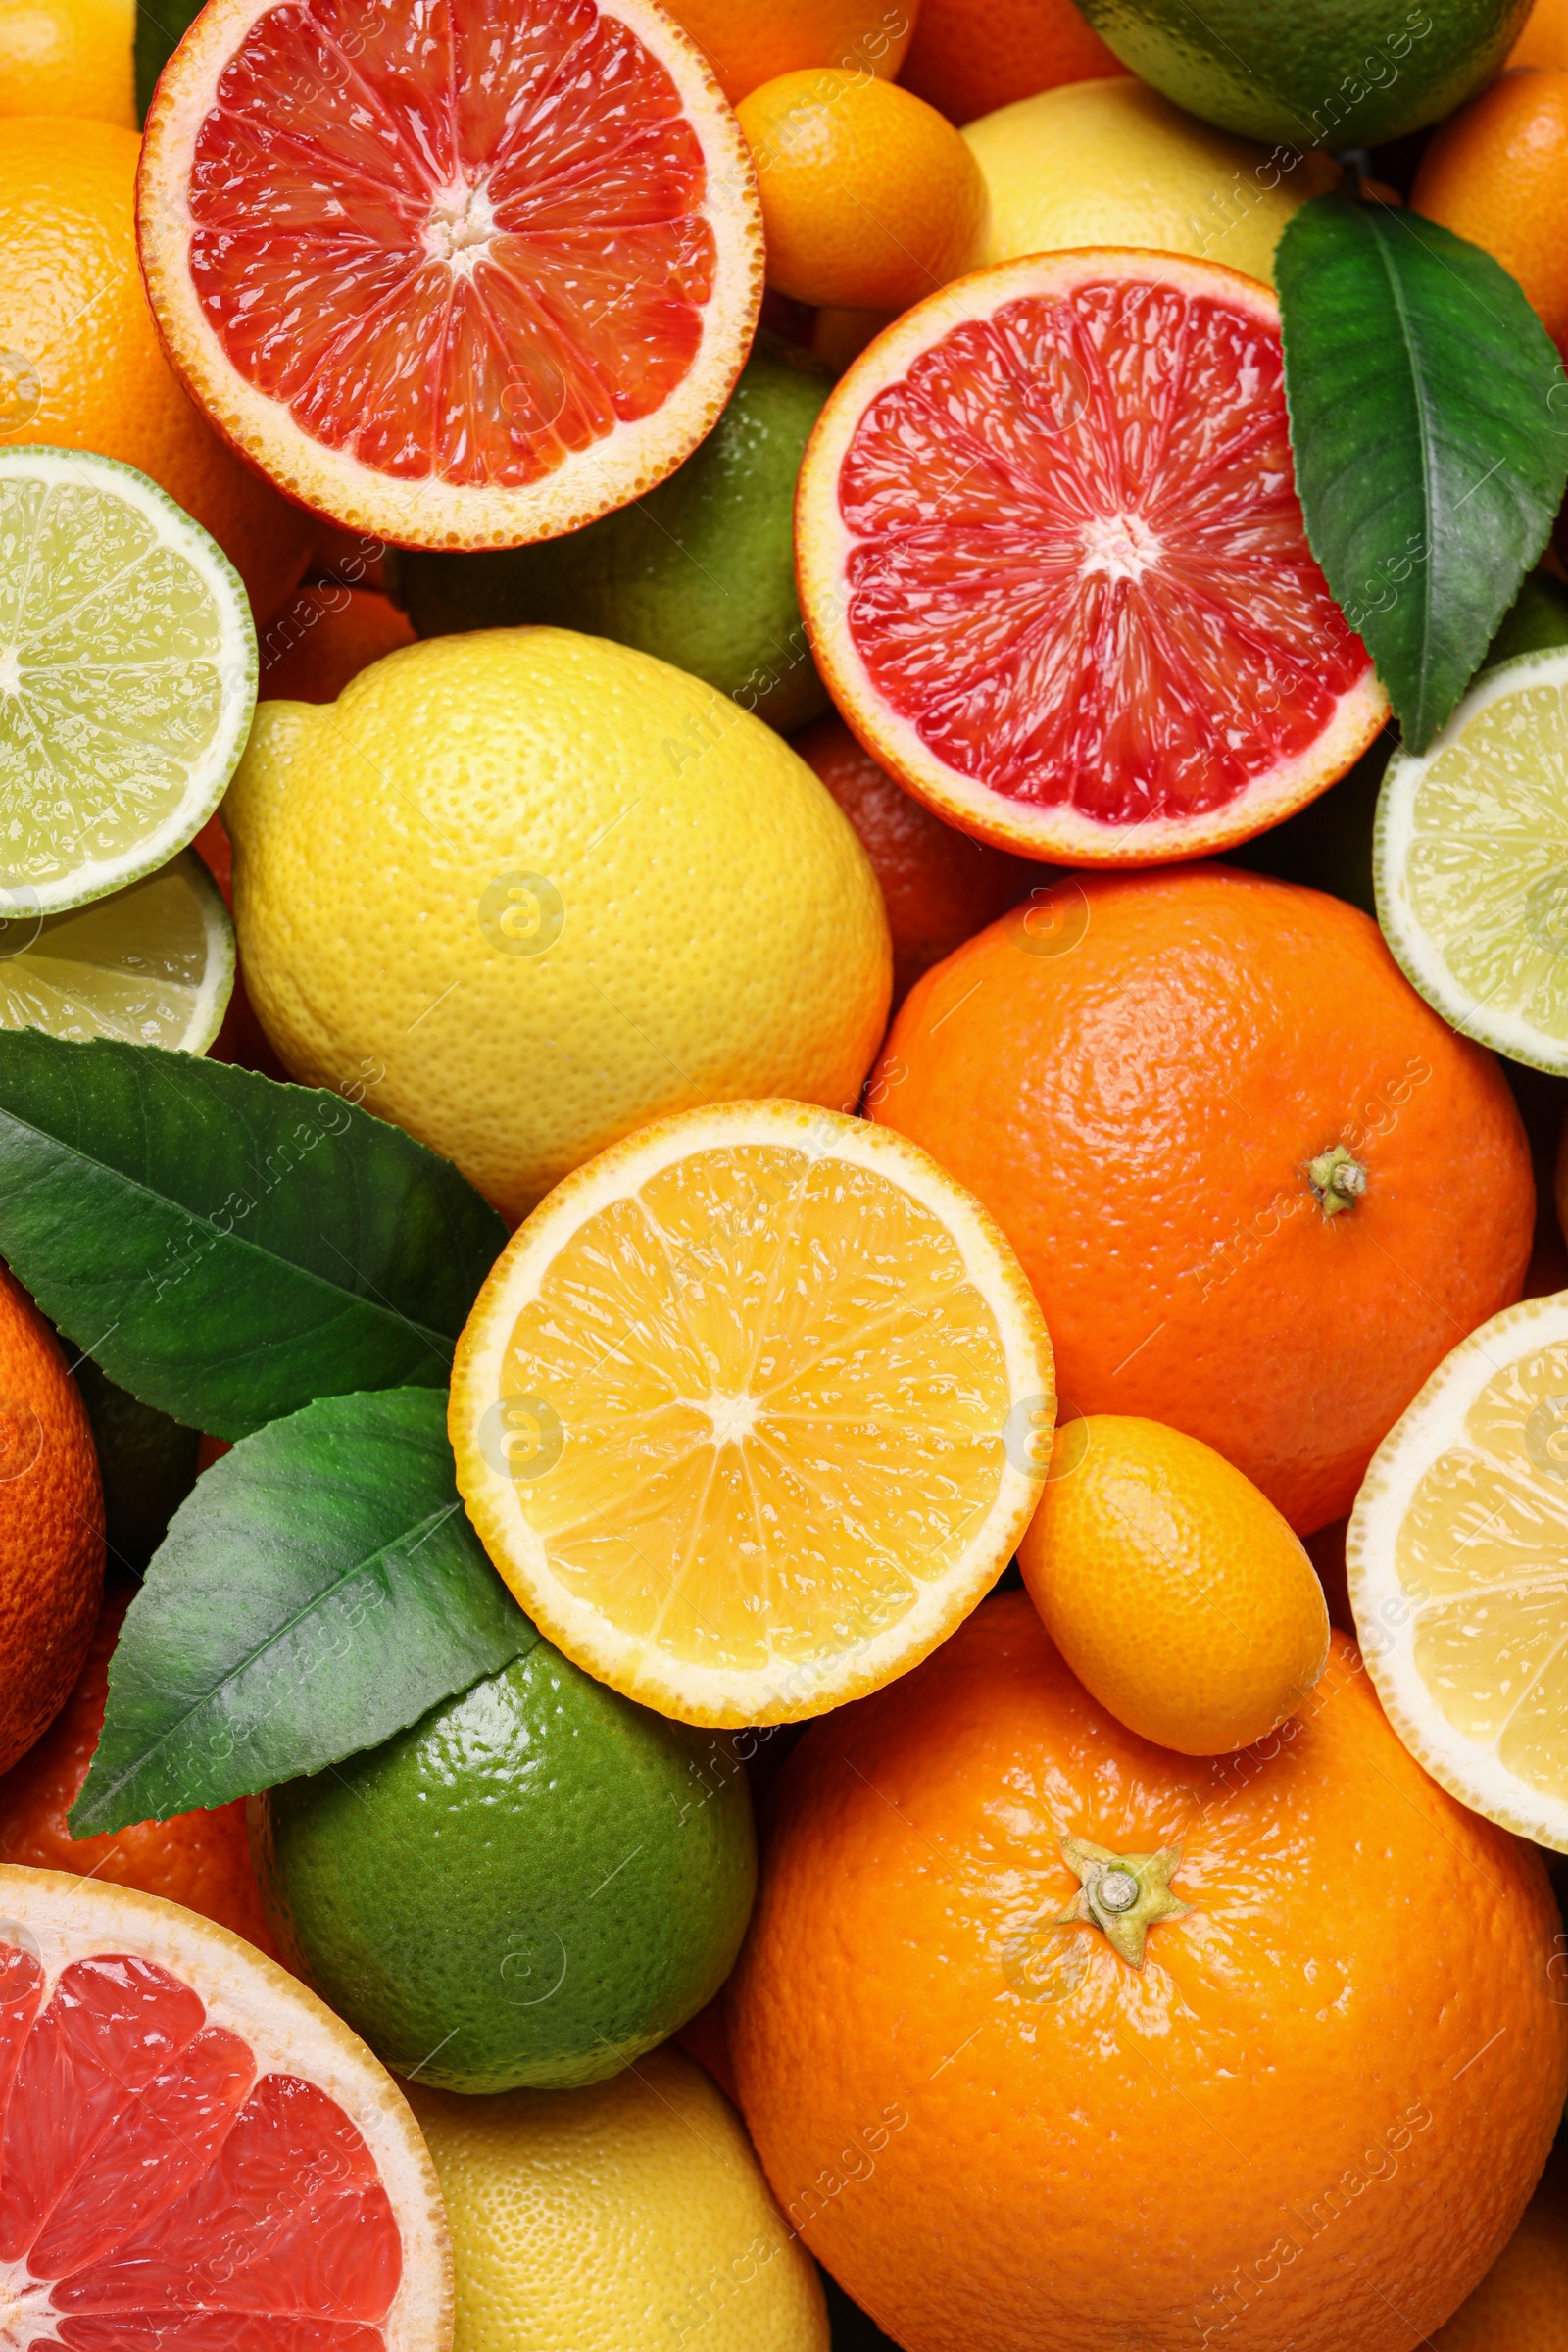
<point>158,2191</point>
<point>467,259</point>
<point>1072,570</point>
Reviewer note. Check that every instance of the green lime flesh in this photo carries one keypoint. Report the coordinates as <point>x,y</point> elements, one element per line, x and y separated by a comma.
<point>1332,74</point>
<point>532,1886</point>
<point>1471,857</point>
<point>127,679</point>
<point>701,572</point>
<point>1328,844</point>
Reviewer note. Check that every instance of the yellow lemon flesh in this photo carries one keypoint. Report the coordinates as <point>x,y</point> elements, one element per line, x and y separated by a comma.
<point>538,889</point>
<point>1457,1560</point>
<point>631,2215</point>
<point>1113,162</point>
<point>751,1411</point>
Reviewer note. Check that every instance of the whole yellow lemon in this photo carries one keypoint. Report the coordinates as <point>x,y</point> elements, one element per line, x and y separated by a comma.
<point>523,891</point>
<point>629,2217</point>
<point>1113,162</point>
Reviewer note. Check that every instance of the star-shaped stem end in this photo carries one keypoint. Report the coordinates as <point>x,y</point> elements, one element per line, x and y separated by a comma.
<point>1124,1895</point>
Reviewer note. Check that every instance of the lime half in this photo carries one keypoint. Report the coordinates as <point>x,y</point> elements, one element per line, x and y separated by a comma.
<point>128,677</point>
<point>153,963</point>
<point>1471,862</point>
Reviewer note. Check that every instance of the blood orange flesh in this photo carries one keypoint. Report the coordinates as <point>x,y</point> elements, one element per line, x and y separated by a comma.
<point>448,272</point>
<point>1055,567</point>
<point>195,2156</point>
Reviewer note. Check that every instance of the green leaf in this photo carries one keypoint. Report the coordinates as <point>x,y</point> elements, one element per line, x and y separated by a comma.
<point>320,1589</point>
<point>161,27</point>
<point>1429,417</point>
<point>228,1248</point>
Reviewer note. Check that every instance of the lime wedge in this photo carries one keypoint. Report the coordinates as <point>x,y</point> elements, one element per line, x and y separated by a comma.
<point>153,963</point>
<point>128,677</point>
<point>1471,862</point>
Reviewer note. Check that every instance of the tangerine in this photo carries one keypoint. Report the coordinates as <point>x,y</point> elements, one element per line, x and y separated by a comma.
<point>1544,38</point>
<point>1522,2303</point>
<point>1259,1186</point>
<point>327,634</point>
<point>1496,172</point>
<point>199,1859</point>
<point>870,199</point>
<point>747,46</point>
<point>68,57</point>
<point>939,886</point>
<point>83,367</point>
<point>1052,2040</point>
<point>969,60</point>
<point>51,1525</point>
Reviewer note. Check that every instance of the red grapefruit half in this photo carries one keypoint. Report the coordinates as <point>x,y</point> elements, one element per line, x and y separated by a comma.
<point>195,2154</point>
<point>453,274</point>
<point>1054,566</point>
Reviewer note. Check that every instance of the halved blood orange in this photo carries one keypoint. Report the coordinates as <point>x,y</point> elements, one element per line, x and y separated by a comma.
<point>456,276</point>
<point>195,2154</point>
<point>1054,565</point>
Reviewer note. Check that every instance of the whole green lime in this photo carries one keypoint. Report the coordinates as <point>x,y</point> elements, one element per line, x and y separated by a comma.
<point>533,1884</point>
<point>700,571</point>
<point>1313,73</point>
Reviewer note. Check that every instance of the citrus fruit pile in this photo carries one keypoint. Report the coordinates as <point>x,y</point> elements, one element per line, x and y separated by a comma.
<point>783,1176</point>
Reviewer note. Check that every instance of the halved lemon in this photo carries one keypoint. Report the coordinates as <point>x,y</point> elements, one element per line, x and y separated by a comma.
<point>128,677</point>
<point>1471,862</point>
<point>752,1410</point>
<point>1457,1554</point>
<point>153,963</point>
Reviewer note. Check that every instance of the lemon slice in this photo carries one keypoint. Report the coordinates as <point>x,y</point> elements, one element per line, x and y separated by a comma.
<point>1457,1554</point>
<point>128,677</point>
<point>153,963</point>
<point>1471,862</point>
<point>751,1411</point>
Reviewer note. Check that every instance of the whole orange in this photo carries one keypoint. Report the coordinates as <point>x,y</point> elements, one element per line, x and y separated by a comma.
<point>199,1859</point>
<point>749,46</point>
<point>940,886</point>
<point>1496,172</point>
<point>81,365</point>
<point>870,199</point>
<point>1164,1086</point>
<point>1173,1588</point>
<point>51,1525</point>
<point>1544,38</point>
<point>1522,2303</point>
<point>968,58</point>
<point>1311,2115</point>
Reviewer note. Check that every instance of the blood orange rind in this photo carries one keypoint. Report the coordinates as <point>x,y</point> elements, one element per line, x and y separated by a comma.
<point>54,1921</point>
<point>431,222</point>
<point>827,546</point>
